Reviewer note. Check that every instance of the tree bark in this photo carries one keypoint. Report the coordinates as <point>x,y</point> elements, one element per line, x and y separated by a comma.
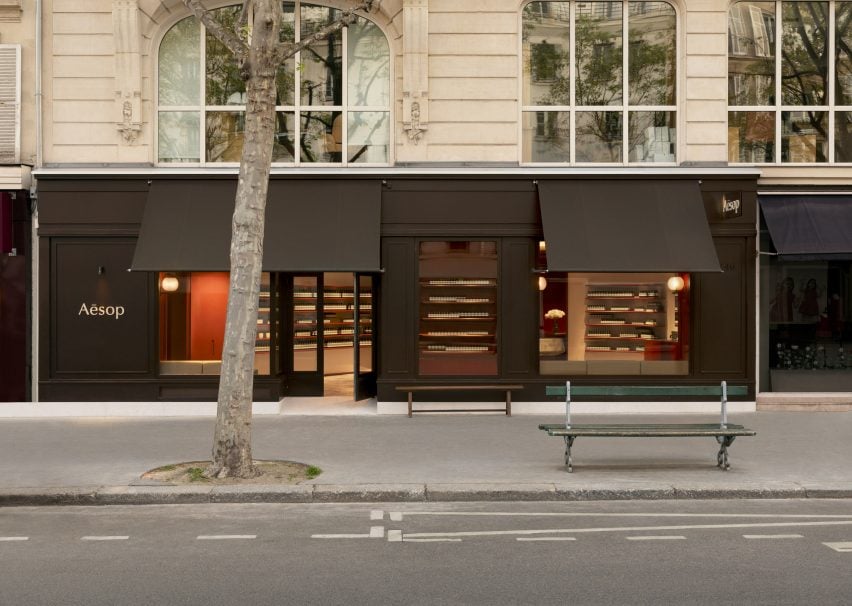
<point>232,439</point>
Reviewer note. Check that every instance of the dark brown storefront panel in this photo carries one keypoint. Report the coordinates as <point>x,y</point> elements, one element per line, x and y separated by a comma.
<point>310,226</point>
<point>632,226</point>
<point>810,228</point>
<point>397,351</point>
<point>518,310</point>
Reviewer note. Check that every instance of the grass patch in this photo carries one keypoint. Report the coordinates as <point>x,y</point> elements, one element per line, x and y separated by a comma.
<point>312,471</point>
<point>196,474</point>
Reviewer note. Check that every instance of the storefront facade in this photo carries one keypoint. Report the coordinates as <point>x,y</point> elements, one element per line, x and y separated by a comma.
<point>423,280</point>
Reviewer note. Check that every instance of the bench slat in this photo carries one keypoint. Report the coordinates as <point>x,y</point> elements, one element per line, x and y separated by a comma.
<point>625,432</point>
<point>555,426</point>
<point>645,390</point>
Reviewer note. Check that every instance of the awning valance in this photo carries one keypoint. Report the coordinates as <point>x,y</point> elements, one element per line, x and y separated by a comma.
<point>626,226</point>
<point>310,226</point>
<point>809,228</point>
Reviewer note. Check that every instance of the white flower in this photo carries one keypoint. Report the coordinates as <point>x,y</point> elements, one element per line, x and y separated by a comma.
<point>554,314</point>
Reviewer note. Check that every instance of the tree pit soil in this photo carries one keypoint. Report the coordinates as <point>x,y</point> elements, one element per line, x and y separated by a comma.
<point>269,472</point>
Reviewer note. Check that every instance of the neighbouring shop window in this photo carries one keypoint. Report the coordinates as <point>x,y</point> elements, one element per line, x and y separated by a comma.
<point>781,108</point>
<point>808,312</point>
<point>458,308</point>
<point>614,324</point>
<point>192,309</point>
<point>616,103</point>
<point>333,104</point>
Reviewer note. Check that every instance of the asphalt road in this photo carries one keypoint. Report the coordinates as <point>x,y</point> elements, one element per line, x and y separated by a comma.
<point>629,552</point>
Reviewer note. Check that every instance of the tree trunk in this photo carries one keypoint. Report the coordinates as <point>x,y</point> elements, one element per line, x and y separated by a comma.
<point>232,438</point>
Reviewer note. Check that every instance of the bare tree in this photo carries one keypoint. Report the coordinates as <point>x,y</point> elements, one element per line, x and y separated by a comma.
<point>254,40</point>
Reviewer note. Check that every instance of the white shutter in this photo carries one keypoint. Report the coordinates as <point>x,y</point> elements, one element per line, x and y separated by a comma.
<point>10,103</point>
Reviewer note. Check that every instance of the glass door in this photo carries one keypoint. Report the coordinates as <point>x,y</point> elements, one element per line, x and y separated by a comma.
<point>364,338</point>
<point>306,313</point>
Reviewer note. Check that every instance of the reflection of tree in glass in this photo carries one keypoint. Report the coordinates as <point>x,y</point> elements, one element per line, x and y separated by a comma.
<point>225,86</point>
<point>178,64</point>
<point>326,54</point>
<point>368,63</point>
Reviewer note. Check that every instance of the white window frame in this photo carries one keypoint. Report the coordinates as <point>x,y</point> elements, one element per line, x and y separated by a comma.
<point>296,109</point>
<point>778,108</point>
<point>624,108</point>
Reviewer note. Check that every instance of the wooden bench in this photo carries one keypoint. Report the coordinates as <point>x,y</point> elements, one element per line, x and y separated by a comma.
<point>411,389</point>
<point>724,432</point>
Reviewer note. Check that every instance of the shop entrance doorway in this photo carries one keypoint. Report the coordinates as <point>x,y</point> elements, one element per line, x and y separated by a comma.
<point>330,337</point>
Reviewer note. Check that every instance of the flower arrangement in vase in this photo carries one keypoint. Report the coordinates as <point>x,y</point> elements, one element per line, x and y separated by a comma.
<point>555,315</point>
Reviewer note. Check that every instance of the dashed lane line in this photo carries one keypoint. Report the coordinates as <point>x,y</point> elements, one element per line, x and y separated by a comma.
<point>407,540</point>
<point>397,516</point>
<point>657,537</point>
<point>340,536</point>
<point>377,514</point>
<point>13,539</point>
<point>545,538</point>
<point>394,536</point>
<point>224,537</point>
<point>105,538</point>
<point>772,536</point>
<point>377,532</point>
<point>842,547</point>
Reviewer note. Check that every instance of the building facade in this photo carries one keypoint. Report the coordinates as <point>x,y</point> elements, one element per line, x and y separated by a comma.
<point>462,193</point>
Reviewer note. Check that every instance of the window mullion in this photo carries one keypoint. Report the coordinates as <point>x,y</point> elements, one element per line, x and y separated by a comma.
<point>202,84</point>
<point>625,82</point>
<point>779,33</point>
<point>344,96</point>
<point>572,74</point>
<point>829,101</point>
<point>297,82</point>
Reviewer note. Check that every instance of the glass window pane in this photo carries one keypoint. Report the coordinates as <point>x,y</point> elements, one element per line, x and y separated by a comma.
<point>547,53</point>
<point>843,53</point>
<point>458,308</point>
<point>365,323</point>
<point>223,83</point>
<point>225,132</point>
<point>651,57</point>
<point>284,147</point>
<point>804,60</point>
<point>598,51</point>
<point>285,79</point>
<point>320,63</point>
<point>614,324</point>
<point>178,68</point>
<point>843,137</point>
<point>368,137</point>
<point>192,310</point>
<point>751,137</point>
<point>321,139</point>
<point>178,137</point>
<point>546,137</point>
<point>599,136</point>
<point>751,53</point>
<point>652,137</point>
<point>368,65</point>
<point>804,136</point>
<point>305,323</point>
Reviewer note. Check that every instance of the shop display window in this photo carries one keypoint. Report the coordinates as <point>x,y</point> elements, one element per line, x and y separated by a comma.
<point>192,310</point>
<point>807,314</point>
<point>458,308</point>
<point>614,324</point>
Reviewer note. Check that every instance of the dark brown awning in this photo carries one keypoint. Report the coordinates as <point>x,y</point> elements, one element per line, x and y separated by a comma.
<point>629,226</point>
<point>310,226</point>
<point>807,228</point>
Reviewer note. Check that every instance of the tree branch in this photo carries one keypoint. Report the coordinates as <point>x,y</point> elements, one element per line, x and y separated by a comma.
<point>286,50</point>
<point>228,38</point>
<point>241,24</point>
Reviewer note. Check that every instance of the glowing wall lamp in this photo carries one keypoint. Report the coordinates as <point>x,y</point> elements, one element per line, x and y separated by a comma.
<point>675,284</point>
<point>169,284</point>
<point>542,282</point>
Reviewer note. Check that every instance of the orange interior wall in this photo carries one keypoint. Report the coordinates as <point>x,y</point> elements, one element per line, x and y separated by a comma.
<point>207,315</point>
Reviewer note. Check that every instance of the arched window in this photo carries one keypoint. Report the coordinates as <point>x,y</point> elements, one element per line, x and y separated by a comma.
<point>587,99</point>
<point>790,82</point>
<point>333,103</point>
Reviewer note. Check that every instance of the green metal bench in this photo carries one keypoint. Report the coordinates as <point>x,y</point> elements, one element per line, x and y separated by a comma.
<point>724,432</point>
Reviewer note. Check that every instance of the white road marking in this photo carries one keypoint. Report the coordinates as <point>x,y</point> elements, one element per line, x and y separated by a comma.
<point>396,516</point>
<point>377,532</point>
<point>223,537</point>
<point>483,533</point>
<point>772,536</point>
<point>377,514</point>
<point>9,539</point>
<point>394,536</point>
<point>407,540</point>
<point>545,539</point>
<point>657,537</point>
<point>105,538</point>
<point>843,547</point>
<point>340,536</point>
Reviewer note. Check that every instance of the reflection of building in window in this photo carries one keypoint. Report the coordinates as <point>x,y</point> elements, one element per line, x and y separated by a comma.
<point>545,61</point>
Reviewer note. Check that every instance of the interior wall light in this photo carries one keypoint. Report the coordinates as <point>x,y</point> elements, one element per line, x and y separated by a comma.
<point>542,282</point>
<point>169,284</point>
<point>101,270</point>
<point>675,284</point>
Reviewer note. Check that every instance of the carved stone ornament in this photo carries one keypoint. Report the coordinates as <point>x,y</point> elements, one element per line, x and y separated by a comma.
<point>128,73</point>
<point>415,69</point>
<point>128,128</point>
<point>413,126</point>
<point>10,11</point>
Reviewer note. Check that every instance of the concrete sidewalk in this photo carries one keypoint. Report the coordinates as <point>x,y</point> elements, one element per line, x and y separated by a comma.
<point>429,457</point>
